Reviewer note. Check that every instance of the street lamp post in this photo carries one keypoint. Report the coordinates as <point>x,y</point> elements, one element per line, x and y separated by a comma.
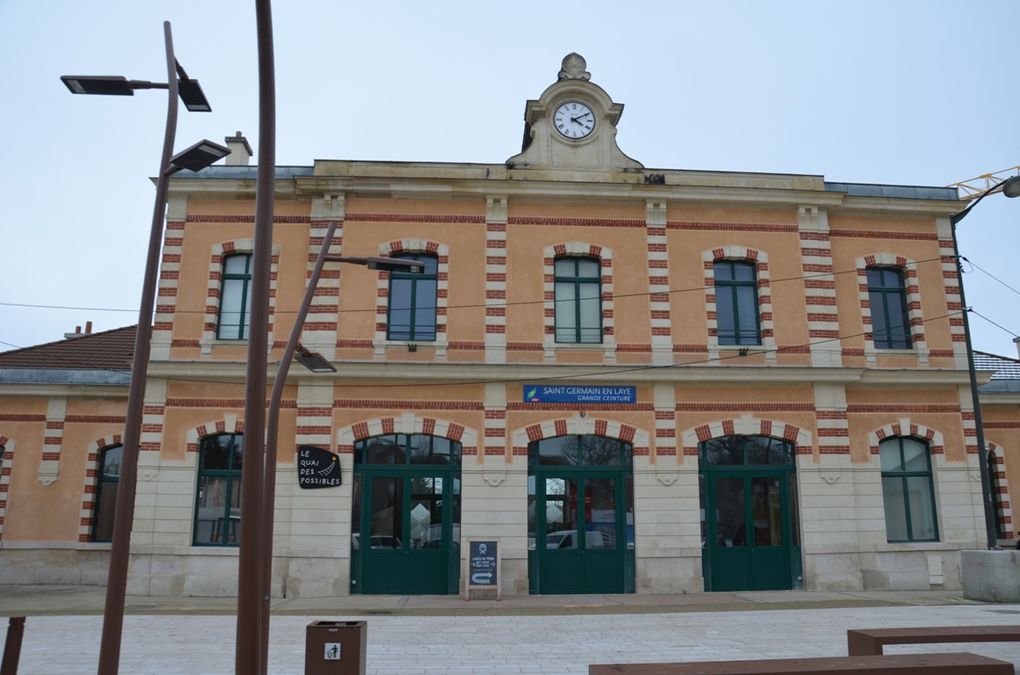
<point>1010,188</point>
<point>194,158</point>
<point>316,363</point>
<point>247,647</point>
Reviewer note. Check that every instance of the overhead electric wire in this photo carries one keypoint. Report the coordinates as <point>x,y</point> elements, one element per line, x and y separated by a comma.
<point>616,296</point>
<point>982,269</point>
<point>977,313</point>
<point>602,372</point>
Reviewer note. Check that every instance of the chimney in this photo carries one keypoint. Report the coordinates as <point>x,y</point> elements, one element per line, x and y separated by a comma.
<point>77,331</point>
<point>240,151</point>
<point>1016,341</point>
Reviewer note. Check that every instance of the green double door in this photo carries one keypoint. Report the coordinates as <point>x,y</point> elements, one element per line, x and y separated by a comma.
<point>749,515</point>
<point>581,537</point>
<point>406,531</point>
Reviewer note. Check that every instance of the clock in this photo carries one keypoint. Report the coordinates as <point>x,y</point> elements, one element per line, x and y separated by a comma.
<point>574,120</point>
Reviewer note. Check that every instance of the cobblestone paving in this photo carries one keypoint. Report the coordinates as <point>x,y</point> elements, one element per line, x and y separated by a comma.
<point>479,645</point>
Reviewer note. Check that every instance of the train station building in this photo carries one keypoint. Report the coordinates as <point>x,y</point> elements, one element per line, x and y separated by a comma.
<point>633,379</point>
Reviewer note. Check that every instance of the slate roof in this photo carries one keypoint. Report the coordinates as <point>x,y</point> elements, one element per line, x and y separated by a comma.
<point>1005,368</point>
<point>107,349</point>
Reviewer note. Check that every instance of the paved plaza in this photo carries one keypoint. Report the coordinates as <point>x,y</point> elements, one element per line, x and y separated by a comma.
<point>447,635</point>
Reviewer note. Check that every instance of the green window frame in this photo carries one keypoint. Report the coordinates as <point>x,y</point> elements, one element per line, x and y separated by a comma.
<point>578,300</point>
<point>580,450</point>
<point>412,300</point>
<point>104,496</point>
<point>235,307</point>
<point>218,493</point>
<point>736,302</point>
<point>403,449</point>
<point>908,490</point>
<point>887,296</point>
<point>740,451</point>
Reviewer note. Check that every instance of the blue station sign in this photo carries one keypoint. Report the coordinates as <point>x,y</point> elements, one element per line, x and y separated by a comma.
<point>574,393</point>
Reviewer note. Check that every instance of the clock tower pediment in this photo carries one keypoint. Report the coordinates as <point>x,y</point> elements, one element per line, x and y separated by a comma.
<point>572,125</point>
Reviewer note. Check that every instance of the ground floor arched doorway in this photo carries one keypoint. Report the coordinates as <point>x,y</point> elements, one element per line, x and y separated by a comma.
<point>749,526</point>
<point>580,515</point>
<point>405,515</point>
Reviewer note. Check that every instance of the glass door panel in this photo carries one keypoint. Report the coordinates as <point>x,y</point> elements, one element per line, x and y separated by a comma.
<point>730,519</point>
<point>766,511</point>
<point>560,513</point>
<point>387,515</point>
<point>600,513</point>
<point>426,512</point>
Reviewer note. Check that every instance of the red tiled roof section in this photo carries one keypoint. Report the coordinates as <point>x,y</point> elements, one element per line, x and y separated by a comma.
<point>108,349</point>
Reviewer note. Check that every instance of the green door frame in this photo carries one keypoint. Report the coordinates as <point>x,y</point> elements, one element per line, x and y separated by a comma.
<point>582,569</point>
<point>750,567</point>
<point>399,570</point>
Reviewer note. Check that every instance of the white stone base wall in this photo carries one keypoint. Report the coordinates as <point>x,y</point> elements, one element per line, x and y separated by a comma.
<point>26,563</point>
<point>667,528</point>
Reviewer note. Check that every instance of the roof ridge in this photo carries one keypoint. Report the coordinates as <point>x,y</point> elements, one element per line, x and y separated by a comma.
<point>65,340</point>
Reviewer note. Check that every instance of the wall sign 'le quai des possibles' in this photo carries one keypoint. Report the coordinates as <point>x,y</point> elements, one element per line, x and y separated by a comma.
<point>317,468</point>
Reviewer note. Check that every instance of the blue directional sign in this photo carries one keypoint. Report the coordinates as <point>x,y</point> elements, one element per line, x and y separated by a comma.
<point>575,393</point>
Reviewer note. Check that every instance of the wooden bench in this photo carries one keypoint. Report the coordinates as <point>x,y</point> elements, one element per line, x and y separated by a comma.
<point>950,663</point>
<point>865,641</point>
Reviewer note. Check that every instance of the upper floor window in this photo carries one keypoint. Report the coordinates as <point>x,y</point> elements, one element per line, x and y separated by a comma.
<point>235,305</point>
<point>578,284</point>
<point>104,499</point>
<point>887,295</point>
<point>411,314</point>
<point>218,498</point>
<point>736,301</point>
<point>908,491</point>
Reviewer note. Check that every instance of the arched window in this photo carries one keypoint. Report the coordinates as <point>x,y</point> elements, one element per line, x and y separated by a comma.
<point>235,307</point>
<point>578,283</point>
<point>104,499</point>
<point>736,299</point>
<point>218,498</point>
<point>411,313</point>
<point>908,490</point>
<point>887,295</point>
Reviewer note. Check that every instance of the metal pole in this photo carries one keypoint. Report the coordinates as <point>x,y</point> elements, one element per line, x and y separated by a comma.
<point>116,585</point>
<point>986,492</point>
<point>248,649</point>
<point>12,646</point>
<point>272,425</point>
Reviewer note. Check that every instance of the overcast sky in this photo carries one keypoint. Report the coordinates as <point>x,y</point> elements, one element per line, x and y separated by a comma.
<point>917,93</point>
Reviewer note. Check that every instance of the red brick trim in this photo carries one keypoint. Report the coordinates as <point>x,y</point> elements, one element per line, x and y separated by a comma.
<point>412,218</point>
<point>729,227</point>
<point>195,218</point>
<point>588,222</point>
<point>878,234</point>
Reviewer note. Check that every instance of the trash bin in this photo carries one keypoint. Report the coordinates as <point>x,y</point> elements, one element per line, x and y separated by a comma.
<point>335,648</point>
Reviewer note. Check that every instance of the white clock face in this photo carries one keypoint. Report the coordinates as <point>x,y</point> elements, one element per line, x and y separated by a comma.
<point>574,120</point>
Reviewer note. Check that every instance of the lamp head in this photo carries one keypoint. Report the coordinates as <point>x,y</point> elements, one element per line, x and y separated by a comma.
<point>192,96</point>
<point>1011,187</point>
<point>105,85</point>
<point>198,156</point>
<point>313,361</point>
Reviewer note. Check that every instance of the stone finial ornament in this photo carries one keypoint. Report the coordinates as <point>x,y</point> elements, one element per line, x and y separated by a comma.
<point>573,68</point>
